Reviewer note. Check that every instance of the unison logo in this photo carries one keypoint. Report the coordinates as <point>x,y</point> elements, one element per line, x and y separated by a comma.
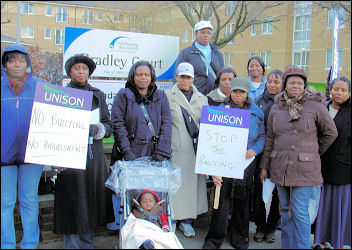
<point>61,97</point>
<point>224,118</point>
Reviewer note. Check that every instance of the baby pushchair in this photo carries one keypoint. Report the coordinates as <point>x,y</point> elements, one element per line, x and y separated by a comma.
<point>129,178</point>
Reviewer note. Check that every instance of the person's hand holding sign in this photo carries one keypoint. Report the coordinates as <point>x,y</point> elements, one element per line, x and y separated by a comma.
<point>250,153</point>
<point>217,180</point>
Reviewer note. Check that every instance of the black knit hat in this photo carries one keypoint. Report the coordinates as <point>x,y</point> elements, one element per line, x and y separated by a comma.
<point>79,58</point>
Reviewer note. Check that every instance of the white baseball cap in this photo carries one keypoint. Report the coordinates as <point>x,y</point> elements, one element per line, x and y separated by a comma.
<point>202,25</point>
<point>185,68</point>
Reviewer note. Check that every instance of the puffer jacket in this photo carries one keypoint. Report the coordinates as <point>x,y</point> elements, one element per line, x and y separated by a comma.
<point>15,113</point>
<point>292,149</point>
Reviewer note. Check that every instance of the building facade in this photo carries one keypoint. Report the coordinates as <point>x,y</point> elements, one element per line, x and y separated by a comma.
<point>302,37</point>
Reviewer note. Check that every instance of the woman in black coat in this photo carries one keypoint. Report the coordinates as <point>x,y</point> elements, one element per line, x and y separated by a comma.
<point>132,133</point>
<point>82,202</point>
<point>333,221</point>
<point>266,227</point>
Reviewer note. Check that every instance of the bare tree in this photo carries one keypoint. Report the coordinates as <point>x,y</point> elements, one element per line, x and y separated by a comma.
<point>328,5</point>
<point>4,13</point>
<point>242,14</point>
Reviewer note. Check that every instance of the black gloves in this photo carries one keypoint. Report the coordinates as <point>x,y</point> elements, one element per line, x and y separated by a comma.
<point>93,129</point>
<point>129,156</point>
<point>158,157</point>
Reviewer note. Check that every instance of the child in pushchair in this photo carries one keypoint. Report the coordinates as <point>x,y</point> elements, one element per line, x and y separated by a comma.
<point>145,188</point>
<point>148,206</point>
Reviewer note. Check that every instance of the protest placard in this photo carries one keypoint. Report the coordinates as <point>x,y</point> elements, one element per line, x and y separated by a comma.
<point>222,144</point>
<point>59,127</point>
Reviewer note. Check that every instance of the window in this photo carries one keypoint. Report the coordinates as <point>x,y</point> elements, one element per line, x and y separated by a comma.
<point>301,59</point>
<point>59,36</point>
<point>267,28</point>
<point>302,28</point>
<point>266,56</point>
<point>328,60</point>
<point>133,23</point>
<point>228,31</point>
<point>118,17</point>
<point>228,57</point>
<point>251,54</point>
<point>61,14</point>
<point>165,14</point>
<point>331,17</point>
<point>27,8</point>
<point>230,8</point>
<point>27,32</point>
<point>185,35</point>
<point>47,33</point>
<point>193,37</point>
<point>48,10</point>
<point>167,33</point>
<point>88,17</point>
<point>253,30</point>
<point>100,16</point>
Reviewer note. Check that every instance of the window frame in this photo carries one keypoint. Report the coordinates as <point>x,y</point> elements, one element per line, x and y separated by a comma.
<point>62,14</point>
<point>266,52</point>
<point>30,6</point>
<point>62,33</point>
<point>46,10</point>
<point>340,58</point>
<point>102,15</point>
<point>26,29</point>
<point>268,24</point>
<point>255,30</point>
<point>228,57</point>
<point>185,35</point>
<point>45,37</point>
<point>231,30</point>
<point>120,17</point>
<point>87,17</point>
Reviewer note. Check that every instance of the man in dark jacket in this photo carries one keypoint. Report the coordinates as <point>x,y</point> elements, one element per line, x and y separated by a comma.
<point>206,59</point>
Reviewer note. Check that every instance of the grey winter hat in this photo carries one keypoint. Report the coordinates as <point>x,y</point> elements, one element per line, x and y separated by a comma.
<point>240,83</point>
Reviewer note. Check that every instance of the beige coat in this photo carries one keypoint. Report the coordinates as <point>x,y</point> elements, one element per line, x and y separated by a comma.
<point>191,198</point>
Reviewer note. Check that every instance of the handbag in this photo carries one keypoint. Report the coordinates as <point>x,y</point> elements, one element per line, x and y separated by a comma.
<point>192,128</point>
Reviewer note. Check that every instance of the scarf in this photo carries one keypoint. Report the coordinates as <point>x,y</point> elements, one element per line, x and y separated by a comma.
<point>17,84</point>
<point>294,105</point>
<point>188,94</point>
<point>142,98</point>
<point>77,85</point>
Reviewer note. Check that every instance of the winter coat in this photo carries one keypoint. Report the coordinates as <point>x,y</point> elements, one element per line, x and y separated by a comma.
<point>16,113</point>
<point>214,99</point>
<point>336,161</point>
<point>265,102</point>
<point>254,93</point>
<point>131,131</point>
<point>82,202</point>
<point>191,198</point>
<point>256,139</point>
<point>292,149</point>
<point>203,82</point>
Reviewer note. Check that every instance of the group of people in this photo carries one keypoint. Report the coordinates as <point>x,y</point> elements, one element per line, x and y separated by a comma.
<point>298,141</point>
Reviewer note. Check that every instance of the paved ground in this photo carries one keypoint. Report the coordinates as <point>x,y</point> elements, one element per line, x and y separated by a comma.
<point>201,227</point>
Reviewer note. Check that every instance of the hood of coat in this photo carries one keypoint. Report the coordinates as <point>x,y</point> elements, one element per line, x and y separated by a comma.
<point>14,48</point>
<point>317,96</point>
<point>139,98</point>
<point>148,191</point>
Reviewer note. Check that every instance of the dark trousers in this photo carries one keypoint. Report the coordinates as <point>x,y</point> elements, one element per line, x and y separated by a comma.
<point>263,225</point>
<point>239,224</point>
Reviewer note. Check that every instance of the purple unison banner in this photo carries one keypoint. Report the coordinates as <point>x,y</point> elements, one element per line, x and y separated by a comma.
<point>335,49</point>
<point>222,145</point>
<point>59,127</point>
